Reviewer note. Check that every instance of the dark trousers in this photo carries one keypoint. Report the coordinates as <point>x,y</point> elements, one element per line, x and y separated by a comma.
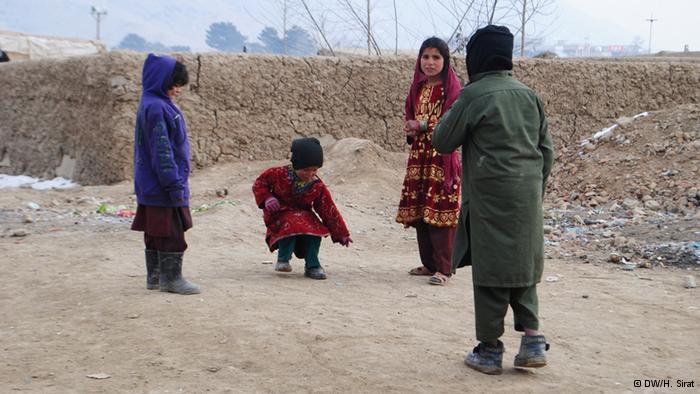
<point>163,228</point>
<point>173,244</point>
<point>308,244</point>
<point>491,306</point>
<point>435,247</point>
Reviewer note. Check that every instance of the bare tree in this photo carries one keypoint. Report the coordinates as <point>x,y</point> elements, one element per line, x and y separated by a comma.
<point>318,28</point>
<point>468,15</point>
<point>458,14</point>
<point>526,11</point>
<point>493,12</point>
<point>396,30</point>
<point>365,25</point>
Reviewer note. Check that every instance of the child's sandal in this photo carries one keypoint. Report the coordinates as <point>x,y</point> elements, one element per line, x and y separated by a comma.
<point>421,271</point>
<point>438,279</point>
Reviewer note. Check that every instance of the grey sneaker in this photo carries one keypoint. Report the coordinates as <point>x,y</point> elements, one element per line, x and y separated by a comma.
<point>531,353</point>
<point>486,359</point>
<point>283,266</point>
<point>315,273</point>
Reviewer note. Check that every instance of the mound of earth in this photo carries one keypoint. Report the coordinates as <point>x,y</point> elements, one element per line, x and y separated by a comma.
<point>365,163</point>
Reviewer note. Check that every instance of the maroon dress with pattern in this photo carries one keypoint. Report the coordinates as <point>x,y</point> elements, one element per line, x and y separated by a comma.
<point>305,208</point>
<point>424,197</point>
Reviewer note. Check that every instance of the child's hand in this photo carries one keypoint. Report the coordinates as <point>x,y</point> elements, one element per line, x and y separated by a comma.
<point>346,241</point>
<point>272,205</point>
<point>411,128</point>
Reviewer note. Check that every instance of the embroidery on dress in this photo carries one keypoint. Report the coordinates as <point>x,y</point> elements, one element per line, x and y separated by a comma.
<point>298,185</point>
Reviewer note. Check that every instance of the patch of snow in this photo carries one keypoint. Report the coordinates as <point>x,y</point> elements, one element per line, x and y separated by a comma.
<point>9,181</point>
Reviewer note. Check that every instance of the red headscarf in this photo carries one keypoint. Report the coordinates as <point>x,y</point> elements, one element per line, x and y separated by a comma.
<point>451,163</point>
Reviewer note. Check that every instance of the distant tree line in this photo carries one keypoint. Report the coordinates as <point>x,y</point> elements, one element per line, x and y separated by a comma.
<point>225,37</point>
<point>135,42</point>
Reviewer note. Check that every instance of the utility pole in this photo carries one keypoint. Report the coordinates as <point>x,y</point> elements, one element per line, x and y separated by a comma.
<point>98,13</point>
<point>369,31</point>
<point>651,21</point>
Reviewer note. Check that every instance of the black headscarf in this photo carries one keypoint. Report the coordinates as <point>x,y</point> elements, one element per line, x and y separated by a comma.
<point>306,152</point>
<point>490,49</point>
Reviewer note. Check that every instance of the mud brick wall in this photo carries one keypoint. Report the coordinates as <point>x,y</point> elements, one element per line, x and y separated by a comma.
<point>75,117</point>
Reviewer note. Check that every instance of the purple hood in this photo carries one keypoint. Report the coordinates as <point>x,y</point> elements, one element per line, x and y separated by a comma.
<point>161,146</point>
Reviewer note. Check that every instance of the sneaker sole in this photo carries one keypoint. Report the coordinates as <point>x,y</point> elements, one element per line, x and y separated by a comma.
<point>497,371</point>
<point>536,364</point>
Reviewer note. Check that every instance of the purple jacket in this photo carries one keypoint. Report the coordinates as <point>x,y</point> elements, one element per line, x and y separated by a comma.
<point>161,148</point>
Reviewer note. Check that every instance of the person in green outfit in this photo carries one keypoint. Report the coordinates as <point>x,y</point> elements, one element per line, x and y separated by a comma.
<point>507,155</point>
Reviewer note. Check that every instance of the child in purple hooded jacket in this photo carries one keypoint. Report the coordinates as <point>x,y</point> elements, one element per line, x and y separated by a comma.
<point>161,171</point>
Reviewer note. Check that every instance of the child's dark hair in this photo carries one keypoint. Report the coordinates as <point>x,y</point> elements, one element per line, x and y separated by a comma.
<point>441,46</point>
<point>180,75</point>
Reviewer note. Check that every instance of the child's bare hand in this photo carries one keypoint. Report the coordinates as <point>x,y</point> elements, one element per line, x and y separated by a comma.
<point>346,241</point>
<point>272,205</point>
<point>411,127</point>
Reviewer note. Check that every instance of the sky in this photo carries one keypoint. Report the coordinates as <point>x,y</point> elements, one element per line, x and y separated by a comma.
<point>184,22</point>
<point>678,22</point>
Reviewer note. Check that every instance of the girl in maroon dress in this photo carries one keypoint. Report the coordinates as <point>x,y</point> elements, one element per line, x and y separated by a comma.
<point>430,195</point>
<point>289,196</point>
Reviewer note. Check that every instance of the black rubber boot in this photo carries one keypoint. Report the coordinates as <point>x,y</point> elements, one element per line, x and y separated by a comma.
<point>152,270</point>
<point>171,279</point>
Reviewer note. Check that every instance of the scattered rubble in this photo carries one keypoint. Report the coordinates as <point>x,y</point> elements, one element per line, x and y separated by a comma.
<point>647,160</point>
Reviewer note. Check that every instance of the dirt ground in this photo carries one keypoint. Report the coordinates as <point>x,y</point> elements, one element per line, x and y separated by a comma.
<point>75,302</point>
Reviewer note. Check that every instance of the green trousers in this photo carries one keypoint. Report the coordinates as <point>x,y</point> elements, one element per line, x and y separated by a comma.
<point>491,306</point>
<point>306,246</point>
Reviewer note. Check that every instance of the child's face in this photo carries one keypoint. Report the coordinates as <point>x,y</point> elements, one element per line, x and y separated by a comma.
<point>174,91</point>
<point>431,62</point>
<point>306,174</point>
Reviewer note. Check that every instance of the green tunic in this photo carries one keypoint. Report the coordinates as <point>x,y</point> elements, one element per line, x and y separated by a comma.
<point>507,155</point>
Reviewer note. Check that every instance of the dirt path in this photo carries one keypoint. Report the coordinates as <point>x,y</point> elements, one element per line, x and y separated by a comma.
<point>74,304</point>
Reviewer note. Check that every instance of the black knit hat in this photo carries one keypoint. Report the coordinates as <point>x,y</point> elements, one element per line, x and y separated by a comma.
<point>306,152</point>
<point>490,49</point>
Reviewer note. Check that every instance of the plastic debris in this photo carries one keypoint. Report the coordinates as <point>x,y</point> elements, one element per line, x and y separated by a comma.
<point>125,213</point>
<point>206,207</point>
<point>98,376</point>
<point>118,211</point>
<point>605,133</point>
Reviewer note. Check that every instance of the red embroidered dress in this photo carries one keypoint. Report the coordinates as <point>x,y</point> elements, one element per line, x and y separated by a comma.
<point>298,201</point>
<point>424,196</point>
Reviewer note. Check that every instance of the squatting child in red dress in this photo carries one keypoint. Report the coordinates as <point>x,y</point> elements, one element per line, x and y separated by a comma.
<point>298,209</point>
